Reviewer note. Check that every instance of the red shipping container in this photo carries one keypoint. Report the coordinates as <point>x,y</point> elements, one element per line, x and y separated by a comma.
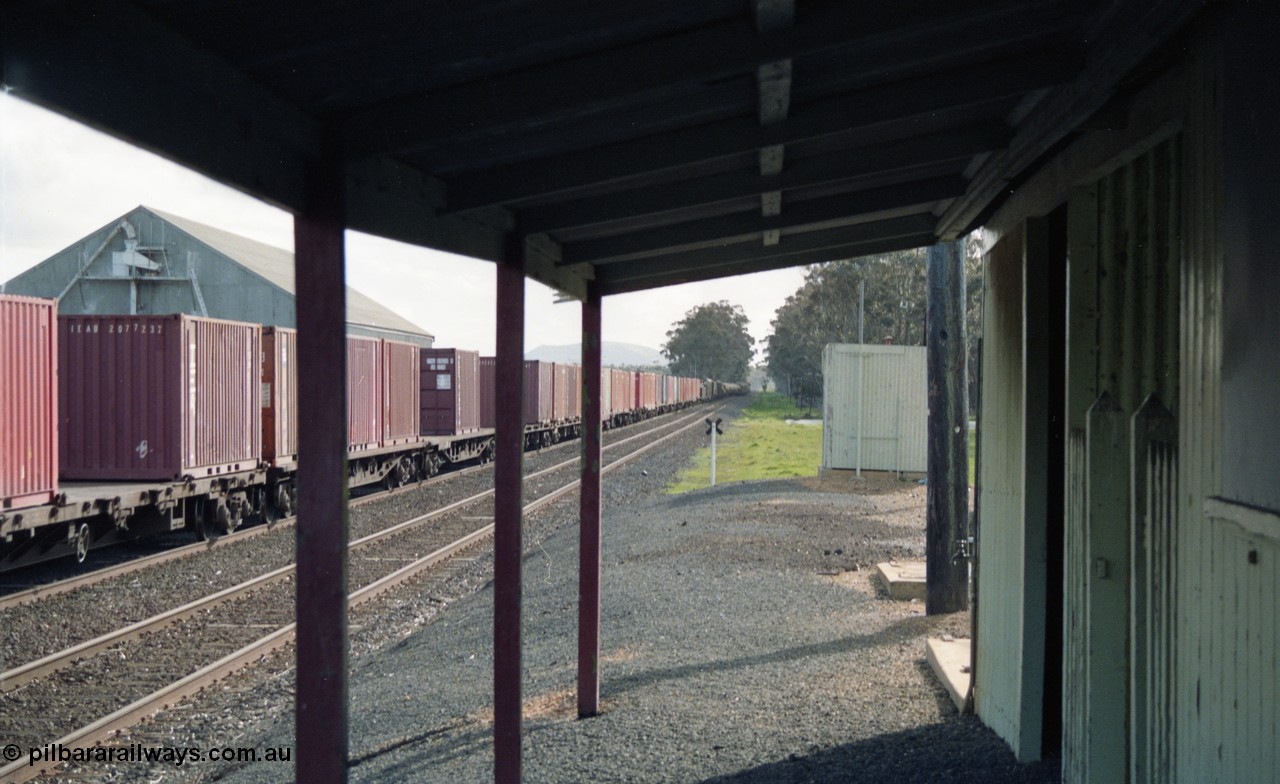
<point>450,391</point>
<point>488,392</point>
<point>158,397</point>
<point>539,392</point>
<point>623,396</point>
<point>28,401</point>
<point>279,396</point>
<point>646,391</point>
<point>364,393</point>
<point>401,382</point>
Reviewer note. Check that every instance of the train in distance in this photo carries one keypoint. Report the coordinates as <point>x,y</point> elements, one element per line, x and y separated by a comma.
<point>127,426</point>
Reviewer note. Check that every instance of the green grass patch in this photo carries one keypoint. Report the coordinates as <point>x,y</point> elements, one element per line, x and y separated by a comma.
<point>759,444</point>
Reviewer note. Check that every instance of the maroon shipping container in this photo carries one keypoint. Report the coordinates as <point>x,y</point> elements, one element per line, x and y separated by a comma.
<point>364,393</point>
<point>28,401</point>
<point>279,396</point>
<point>158,397</point>
<point>450,391</point>
<point>401,381</point>
<point>488,392</point>
<point>567,392</point>
<point>539,391</point>
<point>577,391</point>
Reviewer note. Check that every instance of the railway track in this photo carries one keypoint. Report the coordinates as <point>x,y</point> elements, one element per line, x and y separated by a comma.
<point>47,590</point>
<point>226,628</point>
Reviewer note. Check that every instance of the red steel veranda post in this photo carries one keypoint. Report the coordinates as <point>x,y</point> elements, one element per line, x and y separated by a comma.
<point>321,702</point>
<point>589,511</point>
<point>507,512</point>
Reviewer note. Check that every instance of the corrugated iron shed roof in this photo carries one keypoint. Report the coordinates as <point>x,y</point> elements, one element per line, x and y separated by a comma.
<point>275,265</point>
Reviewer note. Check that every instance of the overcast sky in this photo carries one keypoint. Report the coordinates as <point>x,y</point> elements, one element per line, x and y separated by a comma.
<point>60,180</point>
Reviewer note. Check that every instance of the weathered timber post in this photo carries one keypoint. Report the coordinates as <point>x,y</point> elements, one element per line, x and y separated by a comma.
<point>946,571</point>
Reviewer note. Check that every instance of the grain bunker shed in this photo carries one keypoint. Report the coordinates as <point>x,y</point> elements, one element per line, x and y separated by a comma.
<point>149,262</point>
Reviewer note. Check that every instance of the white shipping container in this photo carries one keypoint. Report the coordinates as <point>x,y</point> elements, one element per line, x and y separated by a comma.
<point>883,392</point>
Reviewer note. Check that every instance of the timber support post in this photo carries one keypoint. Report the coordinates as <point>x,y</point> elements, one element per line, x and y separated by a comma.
<point>508,513</point>
<point>946,528</point>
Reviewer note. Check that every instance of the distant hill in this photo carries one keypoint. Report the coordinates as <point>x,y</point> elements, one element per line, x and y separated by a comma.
<point>615,354</point>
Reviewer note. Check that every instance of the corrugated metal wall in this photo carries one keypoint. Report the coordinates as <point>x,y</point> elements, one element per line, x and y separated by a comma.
<point>1123,322</point>
<point>894,400</point>
<point>1228,556</point>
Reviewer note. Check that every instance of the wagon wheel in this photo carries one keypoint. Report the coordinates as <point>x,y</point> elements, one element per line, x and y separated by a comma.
<point>83,540</point>
<point>204,526</point>
<point>265,502</point>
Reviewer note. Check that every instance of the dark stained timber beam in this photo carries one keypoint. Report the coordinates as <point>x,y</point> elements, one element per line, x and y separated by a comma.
<point>1126,38</point>
<point>623,280</point>
<point>165,95</point>
<point>605,80</point>
<point>562,174</point>
<point>743,226</point>
<point>904,154</point>
<point>845,236</point>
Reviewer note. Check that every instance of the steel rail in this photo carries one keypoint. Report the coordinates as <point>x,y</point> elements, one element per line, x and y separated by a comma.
<point>114,723</point>
<point>19,676</point>
<point>49,590</point>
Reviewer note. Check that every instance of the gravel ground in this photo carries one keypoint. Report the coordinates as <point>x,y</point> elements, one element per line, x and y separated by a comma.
<point>48,626</point>
<point>743,642</point>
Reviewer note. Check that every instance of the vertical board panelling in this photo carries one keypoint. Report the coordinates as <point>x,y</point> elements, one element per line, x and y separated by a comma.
<point>1075,742</point>
<point>997,683</point>
<point>1082,389</point>
<point>1106,560</point>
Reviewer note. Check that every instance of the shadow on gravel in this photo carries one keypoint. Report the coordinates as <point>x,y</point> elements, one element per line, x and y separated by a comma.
<point>960,750</point>
<point>896,632</point>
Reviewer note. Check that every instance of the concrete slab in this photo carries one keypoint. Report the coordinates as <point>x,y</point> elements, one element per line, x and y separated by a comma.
<point>904,580</point>
<point>949,660</point>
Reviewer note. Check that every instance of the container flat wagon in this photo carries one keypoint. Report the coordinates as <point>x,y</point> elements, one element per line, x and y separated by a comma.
<point>123,426</point>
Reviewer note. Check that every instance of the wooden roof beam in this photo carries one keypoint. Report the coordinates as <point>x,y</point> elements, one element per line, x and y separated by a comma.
<point>882,32</point>
<point>904,154</point>
<point>850,112</point>
<point>774,83</point>
<point>1122,39</point>
<point>742,227</point>
<point>167,96</point>
<point>902,226</point>
<point>620,279</point>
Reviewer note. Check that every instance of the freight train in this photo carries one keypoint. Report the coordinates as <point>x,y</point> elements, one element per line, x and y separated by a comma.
<point>116,427</point>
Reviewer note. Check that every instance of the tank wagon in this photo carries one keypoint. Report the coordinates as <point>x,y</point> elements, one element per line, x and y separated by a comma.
<point>126,426</point>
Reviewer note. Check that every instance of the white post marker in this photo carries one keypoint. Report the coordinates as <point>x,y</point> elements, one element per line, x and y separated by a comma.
<point>713,430</point>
